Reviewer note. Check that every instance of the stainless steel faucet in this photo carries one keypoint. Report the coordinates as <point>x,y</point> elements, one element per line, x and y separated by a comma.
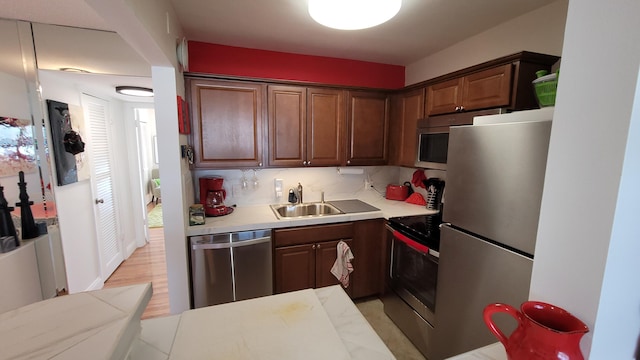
<point>299,193</point>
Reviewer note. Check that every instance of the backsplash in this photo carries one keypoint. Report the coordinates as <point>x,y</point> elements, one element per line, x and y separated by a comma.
<point>314,181</point>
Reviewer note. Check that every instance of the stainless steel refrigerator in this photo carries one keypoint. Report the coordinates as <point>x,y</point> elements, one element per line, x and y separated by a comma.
<point>495,177</point>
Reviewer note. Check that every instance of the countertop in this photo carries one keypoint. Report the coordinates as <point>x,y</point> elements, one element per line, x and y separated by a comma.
<point>311,324</point>
<point>493,351</point>
<point>100,324</point>
<point>254,217</point>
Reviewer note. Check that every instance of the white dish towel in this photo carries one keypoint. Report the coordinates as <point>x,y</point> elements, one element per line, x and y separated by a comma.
<point>342,267</point>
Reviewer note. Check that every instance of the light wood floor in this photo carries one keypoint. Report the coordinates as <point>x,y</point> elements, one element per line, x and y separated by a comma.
<point>146,264</point>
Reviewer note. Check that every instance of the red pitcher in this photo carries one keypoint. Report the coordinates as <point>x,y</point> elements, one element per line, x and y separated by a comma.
<point>544,331</point>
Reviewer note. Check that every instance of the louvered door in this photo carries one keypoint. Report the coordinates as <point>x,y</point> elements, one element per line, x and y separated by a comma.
<point>109,244</point>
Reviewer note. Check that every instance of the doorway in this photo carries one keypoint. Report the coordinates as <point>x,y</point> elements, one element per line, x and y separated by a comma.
<point>146,262</point>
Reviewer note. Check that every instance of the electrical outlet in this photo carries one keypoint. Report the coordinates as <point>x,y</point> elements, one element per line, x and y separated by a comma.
<point>278,187</point>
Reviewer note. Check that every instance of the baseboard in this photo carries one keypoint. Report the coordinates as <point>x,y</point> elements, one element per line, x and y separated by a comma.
<point>97,284</point>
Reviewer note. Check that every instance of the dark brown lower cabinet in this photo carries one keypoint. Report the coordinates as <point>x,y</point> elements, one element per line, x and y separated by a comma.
<point>304,256</point>
<point>295,268</point>
<point>369,258</point>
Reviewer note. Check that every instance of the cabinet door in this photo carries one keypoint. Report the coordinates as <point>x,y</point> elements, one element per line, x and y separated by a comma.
<point>295,268</point>
<point>368,128</point>
<point>412,110</point>
<point>227,123</point>
<point>444,97</point>
<point>406,109</point>
<point>287,125</point>
<point>395,129</point>
<point>369,261</point>
<point>325,127</point>
<point>326,254</point>
<point>487,89</point>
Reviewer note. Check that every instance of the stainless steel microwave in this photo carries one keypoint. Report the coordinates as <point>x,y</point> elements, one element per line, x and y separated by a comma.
<point>433,136</point>
<point>432,148</point>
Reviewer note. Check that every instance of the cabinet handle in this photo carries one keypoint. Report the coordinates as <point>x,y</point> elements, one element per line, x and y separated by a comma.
<point>313,246</point>
<point>260,164</point>
<point>318,246</point>
<point>348,161</point>
<point>461,108</point>
<point>304,162</point>
<point>309,162</point>
<point>457,108</point>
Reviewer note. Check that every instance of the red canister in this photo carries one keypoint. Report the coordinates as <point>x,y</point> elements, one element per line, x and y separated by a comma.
<point>397,192</point>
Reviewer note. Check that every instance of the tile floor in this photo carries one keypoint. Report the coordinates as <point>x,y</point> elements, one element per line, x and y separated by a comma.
<point>395,340</point>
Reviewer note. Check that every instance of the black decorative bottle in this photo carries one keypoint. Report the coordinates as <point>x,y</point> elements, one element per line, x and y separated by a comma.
<point>29,228</point>
<point>7,229</point>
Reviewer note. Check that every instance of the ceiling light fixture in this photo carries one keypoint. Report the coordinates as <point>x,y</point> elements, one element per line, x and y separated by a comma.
<point>134,91</point>
<point>353,14</point>
<point>75,70</point>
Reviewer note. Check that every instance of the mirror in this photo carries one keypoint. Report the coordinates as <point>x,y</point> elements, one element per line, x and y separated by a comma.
<point>22,136</point>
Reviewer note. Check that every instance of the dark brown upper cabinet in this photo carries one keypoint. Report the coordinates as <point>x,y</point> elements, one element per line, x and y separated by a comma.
<point>368,123</point>
<point>228,123</point>
<point>406,109</point>
<point>306,126</point>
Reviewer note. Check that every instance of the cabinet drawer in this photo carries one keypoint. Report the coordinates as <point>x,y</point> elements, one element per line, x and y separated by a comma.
<point>312,234</point>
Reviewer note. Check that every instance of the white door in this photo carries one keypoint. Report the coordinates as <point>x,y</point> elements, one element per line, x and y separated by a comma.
<point>110,247</point>
<point>142,141</point>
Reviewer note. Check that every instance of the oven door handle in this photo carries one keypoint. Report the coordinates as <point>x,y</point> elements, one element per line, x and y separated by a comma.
<point>411,243</point>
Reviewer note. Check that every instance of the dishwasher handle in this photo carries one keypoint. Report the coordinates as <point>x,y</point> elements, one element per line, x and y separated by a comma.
<point>228,245</point>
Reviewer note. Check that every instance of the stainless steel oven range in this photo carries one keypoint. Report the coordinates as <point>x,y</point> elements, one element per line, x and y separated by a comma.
<point>412,280</point>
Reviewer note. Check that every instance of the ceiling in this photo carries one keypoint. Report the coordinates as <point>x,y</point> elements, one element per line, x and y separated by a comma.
<point>421,28</point>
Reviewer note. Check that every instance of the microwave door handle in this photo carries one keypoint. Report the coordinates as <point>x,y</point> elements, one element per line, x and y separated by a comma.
<point>411,243</point>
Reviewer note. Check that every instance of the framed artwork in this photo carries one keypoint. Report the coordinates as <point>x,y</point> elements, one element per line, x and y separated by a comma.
<point>17,146</point>
<point>65,142</point>
<point>184,125</point>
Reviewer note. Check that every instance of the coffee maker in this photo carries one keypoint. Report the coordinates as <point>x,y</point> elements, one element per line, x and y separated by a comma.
<point>212,196</point>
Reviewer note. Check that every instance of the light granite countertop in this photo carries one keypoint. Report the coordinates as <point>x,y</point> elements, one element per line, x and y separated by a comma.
<point>254,217</point>
<point>308,324</point>
<point>493,351</point>
<point>100,324</point>
<point>105,324</point>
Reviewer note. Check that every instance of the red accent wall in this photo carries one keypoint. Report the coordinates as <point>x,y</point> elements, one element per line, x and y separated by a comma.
<point>237,61</point>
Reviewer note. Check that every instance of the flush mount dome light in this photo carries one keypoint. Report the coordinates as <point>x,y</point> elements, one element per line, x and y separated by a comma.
<point>353,14</point>
<point>134,91</point>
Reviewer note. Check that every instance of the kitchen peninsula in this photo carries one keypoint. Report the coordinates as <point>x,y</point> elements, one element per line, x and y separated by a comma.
<point>105,324</point>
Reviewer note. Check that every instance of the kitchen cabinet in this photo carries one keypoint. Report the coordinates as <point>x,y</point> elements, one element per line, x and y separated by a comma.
<point>500,83</point>
<point>304,256</point>
<point>306,126</point>
<point>369,258</point>
<point>484,89</point>
<point>228,123</point>
<point>406,109</point>
<point>368,124</point>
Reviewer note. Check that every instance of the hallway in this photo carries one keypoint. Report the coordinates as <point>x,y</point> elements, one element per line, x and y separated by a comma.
<point>146,264</point>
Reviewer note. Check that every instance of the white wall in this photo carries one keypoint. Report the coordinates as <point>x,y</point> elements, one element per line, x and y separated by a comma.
<point>538,31</point>
<point>586,257</point>
<point>75,201</point>
<point>143,25</point>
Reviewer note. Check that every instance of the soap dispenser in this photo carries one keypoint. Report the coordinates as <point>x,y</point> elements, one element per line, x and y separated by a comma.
<point>292,197</point>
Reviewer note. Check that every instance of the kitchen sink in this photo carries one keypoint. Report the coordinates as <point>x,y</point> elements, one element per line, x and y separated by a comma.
<point>305,209</point>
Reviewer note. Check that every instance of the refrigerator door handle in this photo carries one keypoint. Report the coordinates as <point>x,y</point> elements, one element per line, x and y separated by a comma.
<point>444,224</point>
<point>411,243</point>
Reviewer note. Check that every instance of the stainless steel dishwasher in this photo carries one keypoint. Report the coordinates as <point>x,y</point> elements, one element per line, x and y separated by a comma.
<point>230,267</point>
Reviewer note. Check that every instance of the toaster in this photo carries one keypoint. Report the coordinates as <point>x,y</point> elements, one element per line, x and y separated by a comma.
<point>397,192</point>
